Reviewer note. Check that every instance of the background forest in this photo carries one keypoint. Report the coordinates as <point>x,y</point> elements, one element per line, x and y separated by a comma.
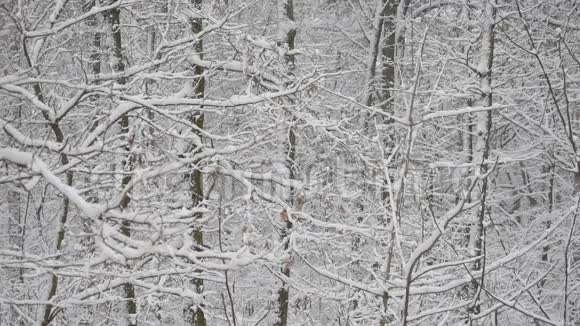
<point>286,162</point>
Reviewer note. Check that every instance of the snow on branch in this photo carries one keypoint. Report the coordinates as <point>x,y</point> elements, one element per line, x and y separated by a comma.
<point>36,165</point>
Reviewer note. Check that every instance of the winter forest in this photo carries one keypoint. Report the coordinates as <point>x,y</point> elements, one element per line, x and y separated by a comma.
<point>289,162</point>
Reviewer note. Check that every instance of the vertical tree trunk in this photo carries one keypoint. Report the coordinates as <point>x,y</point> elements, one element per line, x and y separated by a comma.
<point>392,16</point>
<point>93,23</point>
<point>393,13</point>
<point>375,45</point>
<point>287,19</point>
<point>196,177</point>
<point>47,311</point>
<point>95,65</point>
<point>15,225</point>
<point>127,163</point>
<point>481,151</point>
<point>551,169</point>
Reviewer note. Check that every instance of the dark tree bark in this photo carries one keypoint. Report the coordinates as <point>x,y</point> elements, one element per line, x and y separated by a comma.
<point>287,18</point>
<point>127,164</point>
<point>49,313</point>
<point>389,27</point>
<point>196,177</point>
<point>482,147</point>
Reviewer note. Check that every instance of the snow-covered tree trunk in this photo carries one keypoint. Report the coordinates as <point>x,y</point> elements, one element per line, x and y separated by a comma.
<point>47,312</point>
<point>483,123</point>
<point>287,35</point>
<point>196,176</point>
<point>382,11</point>
<point>127,163</point>
<point>393,14</point>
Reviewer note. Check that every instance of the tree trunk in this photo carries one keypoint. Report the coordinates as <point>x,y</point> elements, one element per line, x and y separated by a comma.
<point>196,177</point>
<point>287,19</point>
<point>392,16</point>
<point>481,151</point>
<point>127,163</point>
<point>47,312</point>
<point>381,12</point>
